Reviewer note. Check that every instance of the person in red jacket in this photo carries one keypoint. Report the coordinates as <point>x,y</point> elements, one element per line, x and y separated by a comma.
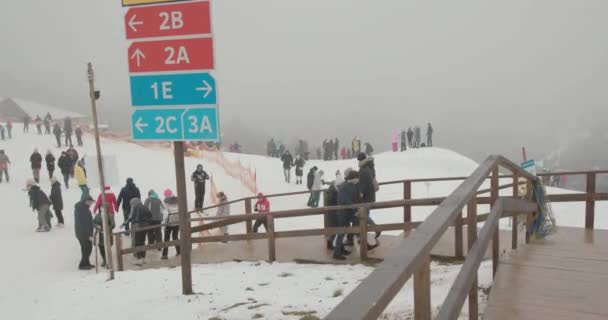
<point>262,206</point>
<point>110,201</point>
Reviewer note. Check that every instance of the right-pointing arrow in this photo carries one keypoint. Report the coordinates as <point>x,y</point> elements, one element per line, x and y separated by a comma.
<point>205,88</point>
<point>139,125</point>
<point>138,55</point>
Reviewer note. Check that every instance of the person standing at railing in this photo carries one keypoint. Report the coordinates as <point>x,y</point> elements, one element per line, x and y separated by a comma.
<point>156,207</point>
<point>310,180</point>
<point>317,186</point>
<point>172,221</point>
<point>199,177</point>
<point>83,226</point>
<point>348,194</point>
<point>261,206</point>
<point>140,216</point>
<point>127,193</point>
<point>368,185</point>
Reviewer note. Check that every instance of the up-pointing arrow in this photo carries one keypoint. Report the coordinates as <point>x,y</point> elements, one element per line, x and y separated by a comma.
<point>138,55</point>
<point>139,125</point>
<point>205,88</point>
<point>133,23</point>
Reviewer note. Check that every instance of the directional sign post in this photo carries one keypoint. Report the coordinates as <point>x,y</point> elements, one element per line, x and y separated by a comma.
<point>173,89</point>
<point>169,20</point>
<point>171,55</point>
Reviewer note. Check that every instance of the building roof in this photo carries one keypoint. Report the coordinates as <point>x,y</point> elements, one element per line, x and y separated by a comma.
<point>17,109</point>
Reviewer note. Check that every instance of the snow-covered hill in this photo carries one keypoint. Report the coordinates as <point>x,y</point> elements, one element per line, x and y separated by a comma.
<point>40,280</point>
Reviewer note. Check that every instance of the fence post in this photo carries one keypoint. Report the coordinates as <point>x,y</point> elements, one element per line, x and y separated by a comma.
<point>119,262</point>
<point>272,254</point>
<point>496,238</point>
<point>514,218</point>
<point>422,290</point>
<point>407,208</point>
<point>248,226</point>
<point>590,204</point>
<point>458,239</point>
<point>363,232</point>
<point>471,238</point>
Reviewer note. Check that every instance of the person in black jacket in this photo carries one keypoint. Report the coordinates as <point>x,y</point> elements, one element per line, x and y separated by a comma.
<point>287,164</point>
<point>140,217</point>
<point>331,199</point>
<point>310,180</point>
<point>39,203</point>
<point>50,163</point>
<point>36,160</point>
<point>67,130</point>
<point>403,140</point>
<point>127,193</point>
<point>299,164</point>
<point>368,185</point>
<point>83,227</point>
<point>57,200</point>
<point>199,177</point>
<point>57,133</point>
<point>65,165</point>
<point>348,194</point>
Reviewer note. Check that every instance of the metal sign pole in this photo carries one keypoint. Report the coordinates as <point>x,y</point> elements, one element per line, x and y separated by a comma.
<point>104,216</point>
<point>184,219</point>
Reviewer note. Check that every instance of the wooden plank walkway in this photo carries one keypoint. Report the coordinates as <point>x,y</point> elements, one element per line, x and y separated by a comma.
<point>563,277</point>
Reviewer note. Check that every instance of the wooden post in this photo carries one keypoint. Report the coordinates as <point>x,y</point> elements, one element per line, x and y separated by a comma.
<point>119,260</point>
<point>107,234</point>
<point>590,204</point>
<point>422,291</point>
<point>458,239</point>
<point>514,219</point>
<point>496,238</point>
<point>407,208</point>
<point>471,238</point>
<point>185,235</point>
<point>248,225</point>
<point>363,232</point>
<point>272,254</point>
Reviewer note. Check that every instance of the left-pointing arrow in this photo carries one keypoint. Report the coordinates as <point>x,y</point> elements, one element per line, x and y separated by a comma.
<point>133,23</point>
<point>138,55</point>
<point>140,125</point>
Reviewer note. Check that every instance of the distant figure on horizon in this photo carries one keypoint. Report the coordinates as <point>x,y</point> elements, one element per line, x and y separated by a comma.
<point>403,140</point>
<point>67,130</point>
<point>9,129</point>
<point>429,135</point>
<point>394,141</point>
<point>26,124</point>
<point>417,137</point>
<point>57,133</point>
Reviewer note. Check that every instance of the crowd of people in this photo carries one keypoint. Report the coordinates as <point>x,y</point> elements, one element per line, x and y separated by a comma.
<point>412,138</point>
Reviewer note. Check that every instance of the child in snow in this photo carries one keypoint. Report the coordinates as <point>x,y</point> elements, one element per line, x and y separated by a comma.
<point>262,206</point>
<point>172,221</point>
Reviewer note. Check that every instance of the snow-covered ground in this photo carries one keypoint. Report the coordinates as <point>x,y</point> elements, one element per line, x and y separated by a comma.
<point>40,281</point>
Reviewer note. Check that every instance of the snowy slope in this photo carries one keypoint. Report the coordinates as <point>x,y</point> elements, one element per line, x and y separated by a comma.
<point>40,281</point>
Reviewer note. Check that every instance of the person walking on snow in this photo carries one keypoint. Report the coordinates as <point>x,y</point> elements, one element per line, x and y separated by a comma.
<point>348,194</point>
<point>199,177</point>
<point>36,161</point>
<point>57,200</point>
<point>4,162</point>
<point>316,189</point>
<point>223,211</point>
<point>410,137</point>
<point>83,227</point>
<point>9,129</point>
<point>127,193</point>
<point>41,204</point>
<point>395,141</point>
<point>156,207</point>
<point>26,124</point>
<point>80,175</point>
<point>172,221</point>
<point>403,141</point>
<point>73,156</point>
<point>2,137</point>
<point>262,206</point>
<point>140,217</point>
<point>356,146</point>
<point>287,164</point>
<point>50,163</point>
<point>368,185</point>
<point>57,134</point>
<point>47,124</point>
<point>336,148</point>
<point>429,135</point>
<point>299,164</point>
<point>78,133</point>
<point>38,122</point>
<point>310,181</point>
<point>65,165</point>
<point>67,130</point>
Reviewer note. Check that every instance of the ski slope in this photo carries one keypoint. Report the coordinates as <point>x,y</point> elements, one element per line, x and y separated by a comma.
<point>39,274</point>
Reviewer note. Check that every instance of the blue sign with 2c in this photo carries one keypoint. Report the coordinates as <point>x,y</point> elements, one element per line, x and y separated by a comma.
<point>176,124</point>
<point>173,89</point>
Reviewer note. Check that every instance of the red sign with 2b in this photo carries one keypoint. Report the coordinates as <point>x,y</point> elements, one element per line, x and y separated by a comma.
<point>181,19</point>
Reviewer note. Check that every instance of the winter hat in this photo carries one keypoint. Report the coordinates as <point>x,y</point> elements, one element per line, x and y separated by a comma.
<point>152,194</point>
<point>199,166</point>
<point>362,156</point>
<point>168,193</point>
<point>260,195</point>
<point>129,180</point>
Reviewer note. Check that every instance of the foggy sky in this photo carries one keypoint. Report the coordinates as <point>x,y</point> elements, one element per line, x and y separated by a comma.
<point>490,75</point>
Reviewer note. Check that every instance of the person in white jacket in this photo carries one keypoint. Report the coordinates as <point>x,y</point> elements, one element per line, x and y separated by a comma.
<point>171,221</point>
<point>223,210</point>
<point>317,186</point>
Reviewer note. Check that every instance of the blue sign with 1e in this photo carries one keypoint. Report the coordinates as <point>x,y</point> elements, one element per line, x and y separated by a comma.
<point>173,89</point>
